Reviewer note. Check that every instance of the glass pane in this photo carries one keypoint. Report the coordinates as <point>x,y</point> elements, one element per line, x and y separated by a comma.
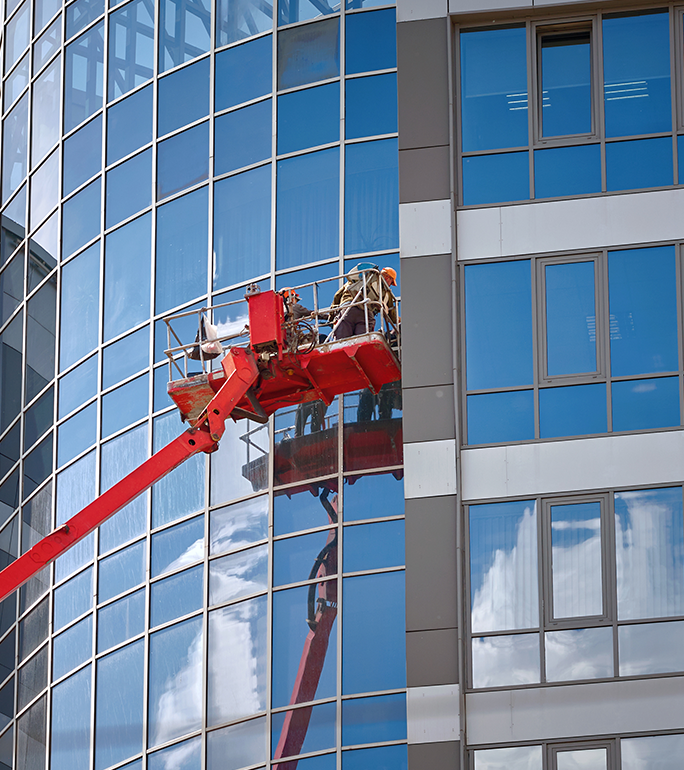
<point>643,315</point>
<point>576,560</point>
<point>70,732</point>
<point>566,83</point>
<point>561,171</point>
<point>240,574</point>
<point>12,286</point>
<point>384,758</point>
<point>374,546</point>
<point>308,193</point>
<point>498,417</point>
<point>16,83</point>
<point>131,47</point>
<point>31,736</point>
<point>651,648</point>
<point>17,36</point>
<point>8,658</point>
<point>237,661</point>
<point>176,596</point>
<point>294,558</point>
<point>236,526</point>
<point>15,148</point>
<point>183,97</point>
<point>643,404</point>
<point>177,546</point>
<point>243,72</point>
<point>81,218</point>
<point>373,496</point>
<point>499,661</point>
<point>84,74</point>
<point>75,489</point>
<point>373,636</point>
<point>237,746</point>
<point>32,678</point>
<point>72,647</point>
<point>303,730</point>
<point>38,418</point>
<point>291,610</point>
<point>119,705</point>
<point>371,720</point>
<point>503,552</point>
<point>371,41</point>
<point>638,164</point>
<point>40,339</point>
<point>121,620</point>
<point>44,192</point>
<point>33,629</point>
<point>126,357</point>
<point>649,533</point>
<point>309,53</point>
<point>293,512</point>
<point>11,344</point>
<point>127,277</point>
<point>242,227</point>
<point>242,137</point>
<point>73,598</point>
<point>583,759</point>
<point>661,751</point>
<point>636,74</point>
<point>6,708</point>
<point>371,106</point>
<point>129,188</point>
<point>572,411</point>
<point>585,653</point>
<point>48,43</point>
<point>9,450</point>
<point>496,178</point>
<point>308,118</point>
<point>80,307</point>
<point>184,31</point>
<point>81,13</point>
<point>183,160</point>
<point>175,681</point>
<point>371,199</point>
<point>303,10</point>
<point>76,434</point>
<point>493,89</point>
<point>79,385</point>
<point>121,571</point>
<point>130,124</point>
<point>125,405</point>
<point>184,756</point>
<point>240,467</point>
<point>181,266</point>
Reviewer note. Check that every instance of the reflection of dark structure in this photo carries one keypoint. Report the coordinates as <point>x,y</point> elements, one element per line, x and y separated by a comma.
<point>388,399</point>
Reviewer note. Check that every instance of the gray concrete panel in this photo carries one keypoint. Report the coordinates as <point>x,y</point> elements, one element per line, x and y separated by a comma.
<point>429,413</point>
<point>413,10</point>
<point>423,83</point>
<point>434,756</point>
<point>430,468</point>
<point>478,6</point>
<point>431,563</point>
<point>424,174</point>
<point>426,302</point>
<point>432,657</point>
<point>425,228</point>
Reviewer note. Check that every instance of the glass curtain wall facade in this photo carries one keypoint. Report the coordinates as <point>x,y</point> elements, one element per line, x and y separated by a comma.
<point>156,158</point>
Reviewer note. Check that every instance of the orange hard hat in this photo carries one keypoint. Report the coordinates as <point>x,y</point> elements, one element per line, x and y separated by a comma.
<point>290,294</point>
<point>390,275</point>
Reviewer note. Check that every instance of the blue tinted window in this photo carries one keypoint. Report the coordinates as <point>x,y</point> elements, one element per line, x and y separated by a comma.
<point>372,496</point>
<point>81,13</point>
<point>236,22</point>
<point>498,309</point>
<point>496,417</point>
<point>183,160</point>
<point>636,74</point>
<point>82,155</point>
<point>77,386</point>
<point>308,208</point>
<point>371,41</point>
<point>374,546</point>
<point>309,53</point>
<point>182,233</point>
<point>79,308</point>
<point>121,620</point>
<point>643,404</point>
<point>37,466</point>
<point>308,118</point>
<point>76,434</point>
<point>186,755</point>
<point>177,546</point>
<point>127,277</point>
<point>318,735</point>
<point>373,634</point>
<point>236,526</point>
<point>294,557</point>
<point>81,218</point>
<point>177,595</point>
<point>161,398</point>
<point>126,357</point>
<point>184,31</point>
<point>129,124</point>
<point>238,574</point>
<point>119,705</point>
<point>73,598</point>
<point>493,89</point>
<point>129,188</point>
<point>302,10</point>
<point>183,97</point>
<point>639,163</point>
<point>383,758</point>
<point>242,227</point>
<point>84,77</point>
<point>643,298</point>
<point>72,647</point>
<point>15,148</point>
<point>372,720</point>
<point>242,137</point>
<point>297,512</point>
<point>371,106</point>
<point>371,196</point>
<point>243,73</point>
<point>680,156</point>
<point>496,178</point>
<point>562,171</point>
<point>125,405</point>
<point>121,571</point>
<point>238,745</point>
<point>570,318</point>
<point>131,47</point>
<point>573,411</point>
<point>566,83</point>
<point>70,729</point>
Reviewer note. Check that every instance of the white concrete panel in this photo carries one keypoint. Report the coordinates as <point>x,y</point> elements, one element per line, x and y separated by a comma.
<point>575,710</point>
<point>413,10</point>
<point>430,468</point>
<point>425,228</point>
<point>468,6</point>
<point>581,223</point>
<point>433,714</point>
<point>563,466</point>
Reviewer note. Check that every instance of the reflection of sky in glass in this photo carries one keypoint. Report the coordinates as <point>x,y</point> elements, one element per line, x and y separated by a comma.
<point>237,746</point>
<point>238,575</point>
<point>503,566</point>
<point>373,496</point>
<point>583,759</point>
<point>505,660</point>
<point>236,526</point>
<point>182,756</point>
<point>518,758</point>
<point>583,653</point>
<point>662,751</point>
<point>649,538</point>
<point>651,648</point>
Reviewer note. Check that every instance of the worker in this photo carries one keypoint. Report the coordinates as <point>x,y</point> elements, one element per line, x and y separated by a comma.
<point>293,307</point>
<point>378,293</point>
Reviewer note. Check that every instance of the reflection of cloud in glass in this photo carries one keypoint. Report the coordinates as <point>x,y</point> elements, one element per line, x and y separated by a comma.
<point>584,759</point>
<point>183,756</point>
<point>194,552</point>
<point>664,752</point>
<point>227,481</point>
<point>649,537</point>
<point>238,575</point>
<point>518,758</point>
<point>238,525</point>
<point>237,746</point>
<point>505,660</point>
<point>651,648</point>
<point>583,653</point>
